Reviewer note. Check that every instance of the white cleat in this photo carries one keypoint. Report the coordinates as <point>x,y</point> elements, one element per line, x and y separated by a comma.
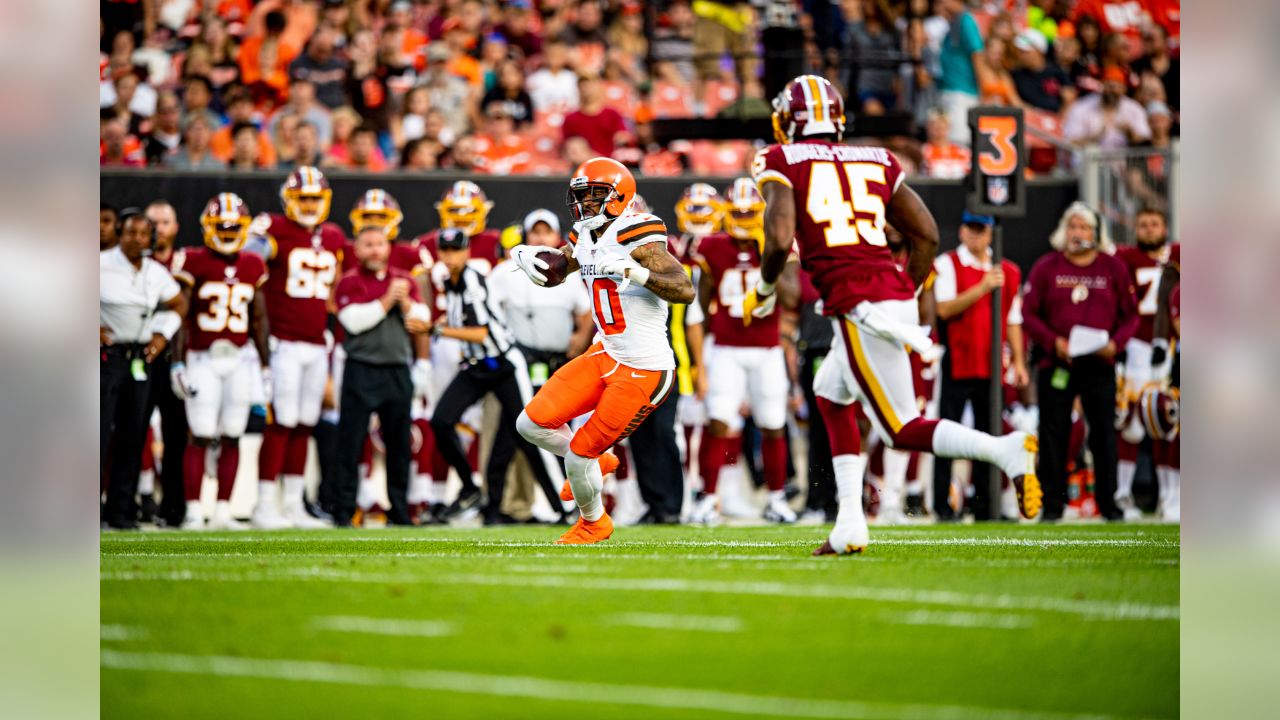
<point>706,511</point>
<point>194,519</point>
<point>1017,459</point>
<point>778,511</point>
<point>266,516</point>
<point>850,535</point>
<point>222,519</point>
<point>1127,506</point>
<point>299,518</point>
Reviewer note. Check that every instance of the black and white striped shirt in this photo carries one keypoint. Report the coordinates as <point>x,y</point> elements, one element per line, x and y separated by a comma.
<point>467,304</point>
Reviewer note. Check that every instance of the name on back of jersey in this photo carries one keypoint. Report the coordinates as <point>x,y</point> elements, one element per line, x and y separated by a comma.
<point>803,152</point>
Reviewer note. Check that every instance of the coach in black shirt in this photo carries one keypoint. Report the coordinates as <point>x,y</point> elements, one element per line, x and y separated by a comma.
<point>491,363</point>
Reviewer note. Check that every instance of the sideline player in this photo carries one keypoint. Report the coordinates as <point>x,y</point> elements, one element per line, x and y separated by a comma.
<point>303,255</point>
<point>835,200</point>
<point>747,356</point>
<point>1146,262</point>
<point>631,278</point>
<point>221,285</point>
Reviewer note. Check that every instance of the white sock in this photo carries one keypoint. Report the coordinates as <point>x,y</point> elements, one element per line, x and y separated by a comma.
<point>951,439</point>
<point>895,477</point>
<point>438,489</point>
<point>222,509</point>
<point>915,486</point>
<point>849,471</point>
<point>553,440</point>
<point>1125,470</point>
<point>193,509</point>
<point>294,486</point>
<point>419,489</point>
<point>268,500</point>
<point>146,482</point>
<point>587,482</point>
<point>1162,483</point>
<point>1173,485</point>
<point>366,497</point>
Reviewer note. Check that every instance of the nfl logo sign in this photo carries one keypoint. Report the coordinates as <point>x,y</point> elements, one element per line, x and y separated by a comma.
<point>998,190</point>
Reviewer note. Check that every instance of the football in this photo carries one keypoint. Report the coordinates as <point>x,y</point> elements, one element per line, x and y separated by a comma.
<point>557,267</point>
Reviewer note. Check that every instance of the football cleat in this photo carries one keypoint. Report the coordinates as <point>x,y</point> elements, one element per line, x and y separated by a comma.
<point>706,510</point>
<point>849,536</point>
<point>584,532</point>
<point>1021,469</point>
<point>1128,507</point>
<point>778,511</point>
<point>194,519</point>
<point>466,505</point>
<point>298,517</point>
<point>222,519</point>
<point>266,516</point>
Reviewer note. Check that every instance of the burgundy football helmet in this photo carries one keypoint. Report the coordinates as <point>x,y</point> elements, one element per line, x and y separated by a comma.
<point>376,208</point>
<point>225,223</point>
<point>1159,409</point>
<point>808,106</point>
<point>304,184</point>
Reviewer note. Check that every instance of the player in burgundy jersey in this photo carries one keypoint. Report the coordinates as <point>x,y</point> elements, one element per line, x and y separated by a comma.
<point>227,309</point>
<point>1146,261</point>
<point>748,361</point>
<point>304,256</point>
<point>834,200</point>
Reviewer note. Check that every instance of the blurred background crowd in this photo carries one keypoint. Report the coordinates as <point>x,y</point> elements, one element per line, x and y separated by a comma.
<point>535,87</point>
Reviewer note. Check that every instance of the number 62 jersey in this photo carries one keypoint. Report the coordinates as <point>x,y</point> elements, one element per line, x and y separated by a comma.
<point>842,194</point>
<point>304,266</point>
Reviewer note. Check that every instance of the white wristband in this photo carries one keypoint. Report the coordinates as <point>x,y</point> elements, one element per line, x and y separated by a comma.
<point>764,289</point>
<point>638,275</point>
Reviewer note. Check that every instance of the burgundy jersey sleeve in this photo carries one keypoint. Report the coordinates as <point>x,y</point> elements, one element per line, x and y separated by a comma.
<point>345,292</point>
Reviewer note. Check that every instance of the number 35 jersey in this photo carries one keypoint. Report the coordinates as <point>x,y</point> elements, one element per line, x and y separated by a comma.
<point>304,266</point>
<point>842,194</point>
<point>631,323</point>
<point>222,290</point>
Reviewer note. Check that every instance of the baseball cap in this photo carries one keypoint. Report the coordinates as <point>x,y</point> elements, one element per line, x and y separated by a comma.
<point>1031,40</point>
<point>452,239</point>
<point>542,215</point>
<point>974,219</point>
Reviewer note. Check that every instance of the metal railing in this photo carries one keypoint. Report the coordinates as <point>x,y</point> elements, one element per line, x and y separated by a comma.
<point>1119,183</point>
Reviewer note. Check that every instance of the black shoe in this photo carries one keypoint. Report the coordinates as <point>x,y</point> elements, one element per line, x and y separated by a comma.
<point>342,522</point>
<point>315,511</point>
<point>915,506</point>
<point>119,523</point>
<point>654,517</point>
<point>468,499</point>
<point>147,509</point>
<point>500,518</point>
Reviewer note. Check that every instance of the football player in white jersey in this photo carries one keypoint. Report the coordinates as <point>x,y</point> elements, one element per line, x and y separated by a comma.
<point>630,370</point>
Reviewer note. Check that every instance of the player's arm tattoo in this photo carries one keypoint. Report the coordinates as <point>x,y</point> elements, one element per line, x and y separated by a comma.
<point>567,251</point>
<point>779,229</point>
<point>260,329</point>
<point>667,278</point>
<point>909,216</point>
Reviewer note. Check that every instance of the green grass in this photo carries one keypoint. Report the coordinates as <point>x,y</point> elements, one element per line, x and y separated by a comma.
<point>934,622</point>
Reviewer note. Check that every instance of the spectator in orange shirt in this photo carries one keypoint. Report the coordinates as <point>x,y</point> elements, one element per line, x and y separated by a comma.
<point>117,147</point>
<point>997,86</point>
<point>240,110</point>
<point>501,150</point>
<point>461,64</point>
<point>943,158</point>
<point>411,43</point>
<point>264,61</point>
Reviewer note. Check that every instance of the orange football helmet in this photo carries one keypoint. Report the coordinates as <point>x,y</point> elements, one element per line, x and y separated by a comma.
<point>376,208</point>
<point>464,205</point>
<point>302,185</point>
<point>700,210</point>
<point>225,223</point>
<point>600,190</point>
<point>744,216</point>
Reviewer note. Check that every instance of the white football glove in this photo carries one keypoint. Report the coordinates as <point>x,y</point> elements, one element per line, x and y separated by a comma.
<point>178,381</point>
<point>420,372</point>
<point>527,259</point>
<point>624,267</point>
<point>759,301</point>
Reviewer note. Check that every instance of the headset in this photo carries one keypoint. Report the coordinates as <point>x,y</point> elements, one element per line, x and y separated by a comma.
<point>133,212</point>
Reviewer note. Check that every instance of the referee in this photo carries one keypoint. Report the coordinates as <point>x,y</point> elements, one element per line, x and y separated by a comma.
<point>140,307</point>
<point>491,363</point>
<point>381,309</point>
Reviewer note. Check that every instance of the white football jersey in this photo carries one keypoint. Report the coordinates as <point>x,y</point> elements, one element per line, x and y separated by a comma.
<point>631,323</point>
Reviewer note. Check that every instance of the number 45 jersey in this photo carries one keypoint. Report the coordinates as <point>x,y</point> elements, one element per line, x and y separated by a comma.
<point>632,323</point>
<point>304,265</point>
<point>222,290</point>
<point>842,194</point>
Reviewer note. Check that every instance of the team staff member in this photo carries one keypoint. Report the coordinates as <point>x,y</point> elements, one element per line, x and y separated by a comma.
<point>380,308</point>
<point>140,307</point>
<point>1078,286</point>
<point>491,363</point>
<point>964,283</point>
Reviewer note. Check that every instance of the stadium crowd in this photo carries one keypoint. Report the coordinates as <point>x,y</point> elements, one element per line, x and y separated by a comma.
<point>429,326</point>
<point>537,87</point>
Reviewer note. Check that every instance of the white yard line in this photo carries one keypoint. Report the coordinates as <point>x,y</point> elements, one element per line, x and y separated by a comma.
<point>662,621</point>
<point>601,550</point>
<point>960,619</point>
<point>112,633</point>
<point>1092,609</point>
<point>382,626</point>
<point>596,694</point>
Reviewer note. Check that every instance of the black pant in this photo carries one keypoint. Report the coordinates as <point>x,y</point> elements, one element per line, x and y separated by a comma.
<point>1094,381</point>
<point>388,391</point>
<point>955,395</point>
<point>822,476</point>
<point>473,382</point>
<point>123,429</point>
<point>659,472</point>
<point>326,435</point>
<point>173,431</point>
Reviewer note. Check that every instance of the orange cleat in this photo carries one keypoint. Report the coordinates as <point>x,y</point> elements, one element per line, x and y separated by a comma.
<point>608,464</point>
<point>584,532</point>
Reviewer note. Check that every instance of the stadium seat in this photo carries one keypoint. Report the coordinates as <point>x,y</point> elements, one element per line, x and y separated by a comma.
<point>728,158</point>
<point>670,100</point>
<point>719,95</point>
<point>620,96</point>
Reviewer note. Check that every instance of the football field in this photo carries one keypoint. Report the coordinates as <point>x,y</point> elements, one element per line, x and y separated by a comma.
<point>999,621</point>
